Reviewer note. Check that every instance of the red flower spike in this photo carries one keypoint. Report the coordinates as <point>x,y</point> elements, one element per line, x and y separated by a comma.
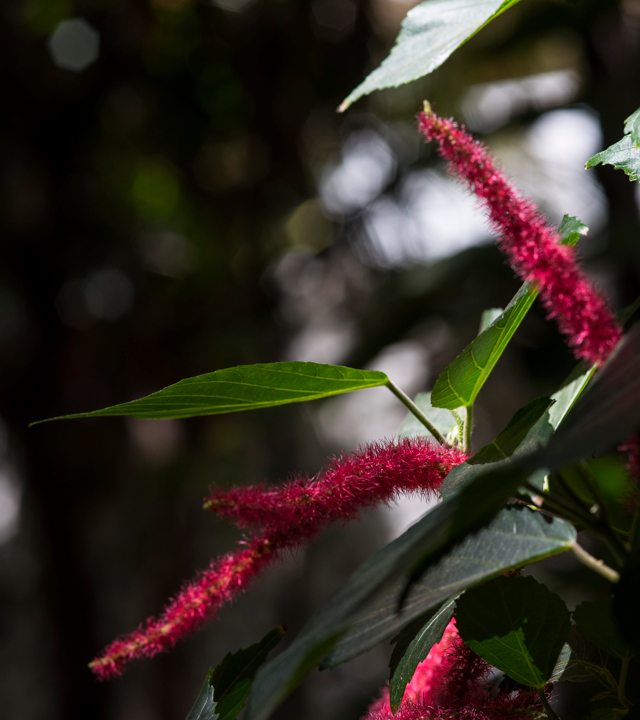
<point>452,683</point>
<point>530,244</point>
<point>379,472</point>
<point>292,515</point>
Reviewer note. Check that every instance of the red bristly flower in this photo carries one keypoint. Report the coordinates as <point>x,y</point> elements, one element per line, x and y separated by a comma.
<point>294,514</point>
<point>452,683</point>
<point>532,246</point>
<point>377,473</point>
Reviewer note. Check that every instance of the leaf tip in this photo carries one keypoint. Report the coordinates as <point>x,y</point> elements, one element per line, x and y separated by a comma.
<point>343,106</point>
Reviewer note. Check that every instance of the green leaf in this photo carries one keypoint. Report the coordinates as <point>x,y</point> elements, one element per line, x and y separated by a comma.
<point>413,644</point>
<point>516,537</point>
<point>461,381</point>
<point>442,419</point>
<point>570,230</point>
<point>488,317</point>
<point>204,708</point>
<point>430,33</point>
<point>226,688</point>
<point>625,154</point>
<point>245,387</point>
<point>594,620</point>
<point>527,430</point>
<point>517,625</point>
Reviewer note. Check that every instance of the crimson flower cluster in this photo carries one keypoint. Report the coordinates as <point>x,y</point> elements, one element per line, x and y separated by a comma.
<point>452,682</point>
<point>287,517</point>
<point>533,248</point>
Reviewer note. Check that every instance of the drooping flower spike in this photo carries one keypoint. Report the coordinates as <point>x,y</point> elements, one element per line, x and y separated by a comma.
<point>293,515</point>
<point>530,244</point>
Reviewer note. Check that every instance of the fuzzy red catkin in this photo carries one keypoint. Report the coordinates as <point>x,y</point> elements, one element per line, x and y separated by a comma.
<point>376,473</point>
<point>531,245</point>
<point>451,682</point>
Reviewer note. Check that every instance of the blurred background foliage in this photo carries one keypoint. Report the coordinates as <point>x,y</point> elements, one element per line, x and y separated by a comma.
<point>178,195</point>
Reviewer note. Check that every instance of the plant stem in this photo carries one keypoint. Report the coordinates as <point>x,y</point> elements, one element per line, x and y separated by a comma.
<point>622,683</point>
<point>468,422</point>
<point>547,708</point>
<point>596,565</point>
<point>413,408</point>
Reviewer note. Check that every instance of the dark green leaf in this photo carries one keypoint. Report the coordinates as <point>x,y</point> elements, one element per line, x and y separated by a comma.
<point>226,688</point>
<point>517,625</point>
<point>516,537</point>
<point>594,620</point>
<point>442,419</point>
<point>632,126</point>
<point>461,381</point>
<point>430,33</point>
<point>204,708</point>
<point>409,652</point>
<point>245,387</point>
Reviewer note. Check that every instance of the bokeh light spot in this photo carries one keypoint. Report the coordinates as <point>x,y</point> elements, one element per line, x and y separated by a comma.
<point>74,45</point>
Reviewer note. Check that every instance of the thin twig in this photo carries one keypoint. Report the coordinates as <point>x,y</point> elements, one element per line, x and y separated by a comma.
<point>594,563</point>
<point>413,408</point>
<point>468,422</point>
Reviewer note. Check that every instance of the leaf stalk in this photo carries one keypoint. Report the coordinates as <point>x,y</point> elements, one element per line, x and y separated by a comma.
<point>413,408</point>
<point>595,564</point>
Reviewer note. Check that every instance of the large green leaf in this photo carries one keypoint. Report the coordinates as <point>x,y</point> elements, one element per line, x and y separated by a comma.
<point>625,154</point>
<point>430,33</point>
<point>461,381</point>
<point>579,661</point>
<point>413,644</point>
<point>517,625</point>
<point>516,537</point>
<point>226,688</point>
<point>245,387</point>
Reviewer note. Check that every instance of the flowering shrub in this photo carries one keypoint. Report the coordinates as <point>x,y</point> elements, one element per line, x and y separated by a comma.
<point>474,637</point>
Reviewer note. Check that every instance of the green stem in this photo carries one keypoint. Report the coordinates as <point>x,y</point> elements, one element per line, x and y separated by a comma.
<point>596,565</point>
<point>413,408</point>
<point>622,683</point>
<point>468,422</point>
<point>547,708</point>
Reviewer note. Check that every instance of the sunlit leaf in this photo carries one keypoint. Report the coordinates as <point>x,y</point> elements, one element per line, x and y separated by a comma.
<point>227,687</point>
<point>461,381</point>
<point>517,625</point>
<point>246,387</point>
<point>625,154</point>
<point>430,33</point>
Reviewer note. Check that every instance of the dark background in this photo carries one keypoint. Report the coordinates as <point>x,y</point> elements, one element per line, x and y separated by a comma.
<point>163,215</point>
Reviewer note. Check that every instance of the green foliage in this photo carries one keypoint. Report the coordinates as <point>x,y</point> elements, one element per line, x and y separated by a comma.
<point>430,33</point>
<point>516,537</point>
<point>517,625</point>
<point>412,645</point>
<point>246,387</point>
<point>460,382</point>
<point>625,154</point>
<point>227,687</point>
